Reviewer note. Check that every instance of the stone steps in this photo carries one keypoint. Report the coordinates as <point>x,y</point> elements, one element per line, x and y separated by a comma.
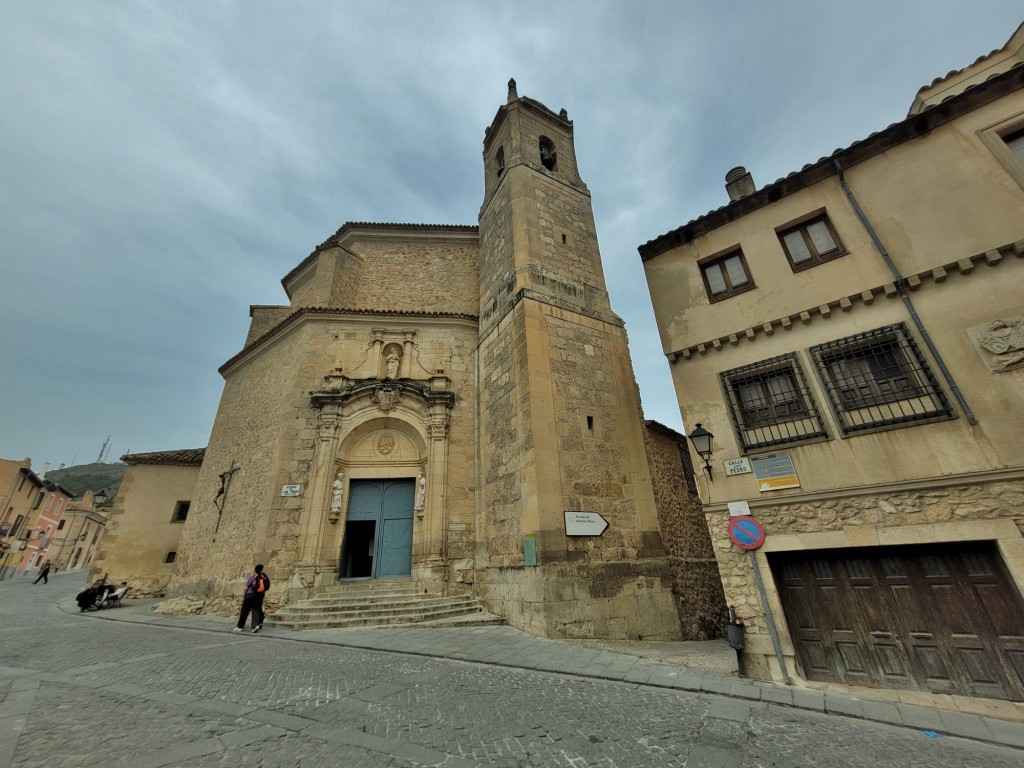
<point>369,604</point>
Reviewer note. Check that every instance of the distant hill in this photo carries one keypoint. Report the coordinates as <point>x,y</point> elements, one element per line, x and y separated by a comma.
<point>90,477</point>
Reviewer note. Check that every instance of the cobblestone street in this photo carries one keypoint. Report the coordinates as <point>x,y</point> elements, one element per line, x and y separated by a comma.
<point>78,691</point>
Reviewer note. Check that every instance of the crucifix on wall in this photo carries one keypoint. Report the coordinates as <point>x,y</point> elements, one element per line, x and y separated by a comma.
<point>222,495</point>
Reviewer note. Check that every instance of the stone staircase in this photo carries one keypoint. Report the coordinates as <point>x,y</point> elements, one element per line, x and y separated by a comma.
<point>381,603</point>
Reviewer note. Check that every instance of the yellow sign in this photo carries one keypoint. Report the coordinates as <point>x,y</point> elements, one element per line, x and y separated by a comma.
<point>775,483</point>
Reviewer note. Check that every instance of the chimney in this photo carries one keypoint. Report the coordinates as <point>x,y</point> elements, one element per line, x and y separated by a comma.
<point>739,183</point>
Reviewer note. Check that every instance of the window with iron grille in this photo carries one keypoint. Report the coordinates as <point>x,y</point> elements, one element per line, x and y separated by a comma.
<point>725,276</point>
<point>770,403</point>
<point>879,379</point>
<point>810,243</point>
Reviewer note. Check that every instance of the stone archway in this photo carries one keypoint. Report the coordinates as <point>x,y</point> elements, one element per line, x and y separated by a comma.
<point>376,429</point>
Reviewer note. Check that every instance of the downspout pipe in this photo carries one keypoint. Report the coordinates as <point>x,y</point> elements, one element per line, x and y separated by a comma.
<point>901,286</point>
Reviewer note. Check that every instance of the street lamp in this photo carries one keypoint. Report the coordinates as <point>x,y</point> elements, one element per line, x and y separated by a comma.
<point>702,441</point>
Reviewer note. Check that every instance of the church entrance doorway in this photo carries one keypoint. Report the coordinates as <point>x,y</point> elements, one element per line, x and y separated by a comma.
<point>378,531</point>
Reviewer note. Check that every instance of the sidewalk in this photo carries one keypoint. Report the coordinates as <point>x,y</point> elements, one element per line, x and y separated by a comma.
<point>696,667</point>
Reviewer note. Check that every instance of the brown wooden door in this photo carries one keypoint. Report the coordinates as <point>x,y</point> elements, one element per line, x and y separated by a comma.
<point>940,618</point>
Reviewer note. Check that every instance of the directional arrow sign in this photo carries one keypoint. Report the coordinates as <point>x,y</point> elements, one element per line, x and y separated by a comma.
<point>584,524</point>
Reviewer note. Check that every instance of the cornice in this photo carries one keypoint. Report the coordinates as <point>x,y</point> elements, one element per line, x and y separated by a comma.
<point>1012,474</point>
<point>891,290</point>
<point>356,388</point>
<point>303,313</point>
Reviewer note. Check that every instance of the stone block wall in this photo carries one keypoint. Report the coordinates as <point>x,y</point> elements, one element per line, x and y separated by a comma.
<point>696,583</point>
<point>402,274</point>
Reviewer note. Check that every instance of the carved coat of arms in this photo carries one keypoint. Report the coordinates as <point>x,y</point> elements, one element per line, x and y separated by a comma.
<point>386,396</point>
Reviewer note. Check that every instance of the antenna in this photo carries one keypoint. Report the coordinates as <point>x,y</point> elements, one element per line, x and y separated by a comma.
<point>103,450</point>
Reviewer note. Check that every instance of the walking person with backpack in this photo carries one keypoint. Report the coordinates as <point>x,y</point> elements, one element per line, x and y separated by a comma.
<point>256,587</point>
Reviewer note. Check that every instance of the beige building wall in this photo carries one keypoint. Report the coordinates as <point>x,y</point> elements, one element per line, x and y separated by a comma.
<point>143,536</point>
<point>944,198</point>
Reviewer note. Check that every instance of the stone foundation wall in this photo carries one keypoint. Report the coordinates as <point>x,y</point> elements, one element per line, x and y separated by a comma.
<point>622,600</point>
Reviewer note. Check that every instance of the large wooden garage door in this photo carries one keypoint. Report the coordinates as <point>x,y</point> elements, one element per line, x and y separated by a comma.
<point>939,618</point>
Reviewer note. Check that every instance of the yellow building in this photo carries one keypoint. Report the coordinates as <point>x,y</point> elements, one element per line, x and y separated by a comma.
<point>31,511</point>
<point>853,337</point>
<point>146,520</point>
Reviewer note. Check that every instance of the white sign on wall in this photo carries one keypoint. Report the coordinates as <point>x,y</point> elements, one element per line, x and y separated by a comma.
<point>291,490</point>
<point>737,466</point>
<point>737,508</point>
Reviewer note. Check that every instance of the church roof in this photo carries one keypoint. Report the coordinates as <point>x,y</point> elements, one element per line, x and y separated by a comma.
<point>349,226</point>
<point>186,457</point>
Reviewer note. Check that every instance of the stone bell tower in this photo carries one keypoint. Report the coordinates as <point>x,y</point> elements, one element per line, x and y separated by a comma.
<point>560,423</point>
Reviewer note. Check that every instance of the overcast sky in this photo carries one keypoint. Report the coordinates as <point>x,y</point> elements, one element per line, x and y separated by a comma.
<point>164,164</point>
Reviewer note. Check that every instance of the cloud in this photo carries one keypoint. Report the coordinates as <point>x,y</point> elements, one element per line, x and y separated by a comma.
<point>165,164</point>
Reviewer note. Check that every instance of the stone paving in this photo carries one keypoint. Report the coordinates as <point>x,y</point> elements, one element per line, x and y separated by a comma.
<point>126,687</point>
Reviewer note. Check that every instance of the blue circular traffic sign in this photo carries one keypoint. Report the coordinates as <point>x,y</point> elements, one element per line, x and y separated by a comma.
<point>746,532</point>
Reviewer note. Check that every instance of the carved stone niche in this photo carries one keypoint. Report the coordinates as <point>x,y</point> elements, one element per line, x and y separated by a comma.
<point>1000,343</point>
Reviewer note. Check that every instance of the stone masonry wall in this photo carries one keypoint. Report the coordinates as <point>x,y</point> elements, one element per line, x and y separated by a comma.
<point>696,584</point>
<point>406,275</point>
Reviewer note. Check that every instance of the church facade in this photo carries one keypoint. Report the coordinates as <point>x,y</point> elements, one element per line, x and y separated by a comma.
<point>456,405</point>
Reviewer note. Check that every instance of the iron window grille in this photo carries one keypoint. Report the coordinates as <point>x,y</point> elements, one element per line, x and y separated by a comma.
<point>879,379</point>
<point>810,243</point>
<point>726,276</point>
<point>770,403</point>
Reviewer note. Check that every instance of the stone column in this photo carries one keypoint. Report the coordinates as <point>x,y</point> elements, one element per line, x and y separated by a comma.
<point>317,497</point>
<point>436,471</point>
<point>407,355</point>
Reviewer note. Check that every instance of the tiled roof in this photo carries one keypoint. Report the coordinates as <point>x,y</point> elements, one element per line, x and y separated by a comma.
<point>186,457</point>
<point>910,128</point>
<point>955,72</point>
<point>340,311</point>
<point>350,225</point>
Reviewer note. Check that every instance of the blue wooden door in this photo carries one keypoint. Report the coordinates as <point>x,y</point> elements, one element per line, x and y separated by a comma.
<point>388,503</point>
<point>394,553</point>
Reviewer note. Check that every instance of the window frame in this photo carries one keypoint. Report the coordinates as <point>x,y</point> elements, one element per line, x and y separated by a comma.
<point>761,431</point>
<point>802,225</point>
<point>718,261</point>
<point>883,356</point>
<point>177,516</point>
<point>995,135</point>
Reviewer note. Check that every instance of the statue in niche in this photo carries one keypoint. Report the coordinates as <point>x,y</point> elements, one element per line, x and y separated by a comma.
<point>1004,339</point>
<point>337,488</point>
<point>421,491</point>
<point>393,360</point>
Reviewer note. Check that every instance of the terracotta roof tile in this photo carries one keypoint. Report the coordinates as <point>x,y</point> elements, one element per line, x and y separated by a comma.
<point>186,457</point>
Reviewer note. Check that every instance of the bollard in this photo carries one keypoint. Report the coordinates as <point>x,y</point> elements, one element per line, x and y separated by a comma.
<point>735,632</point>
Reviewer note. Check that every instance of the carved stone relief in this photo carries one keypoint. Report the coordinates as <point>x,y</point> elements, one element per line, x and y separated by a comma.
<point>386,396</point>
<point>1000,343</point>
